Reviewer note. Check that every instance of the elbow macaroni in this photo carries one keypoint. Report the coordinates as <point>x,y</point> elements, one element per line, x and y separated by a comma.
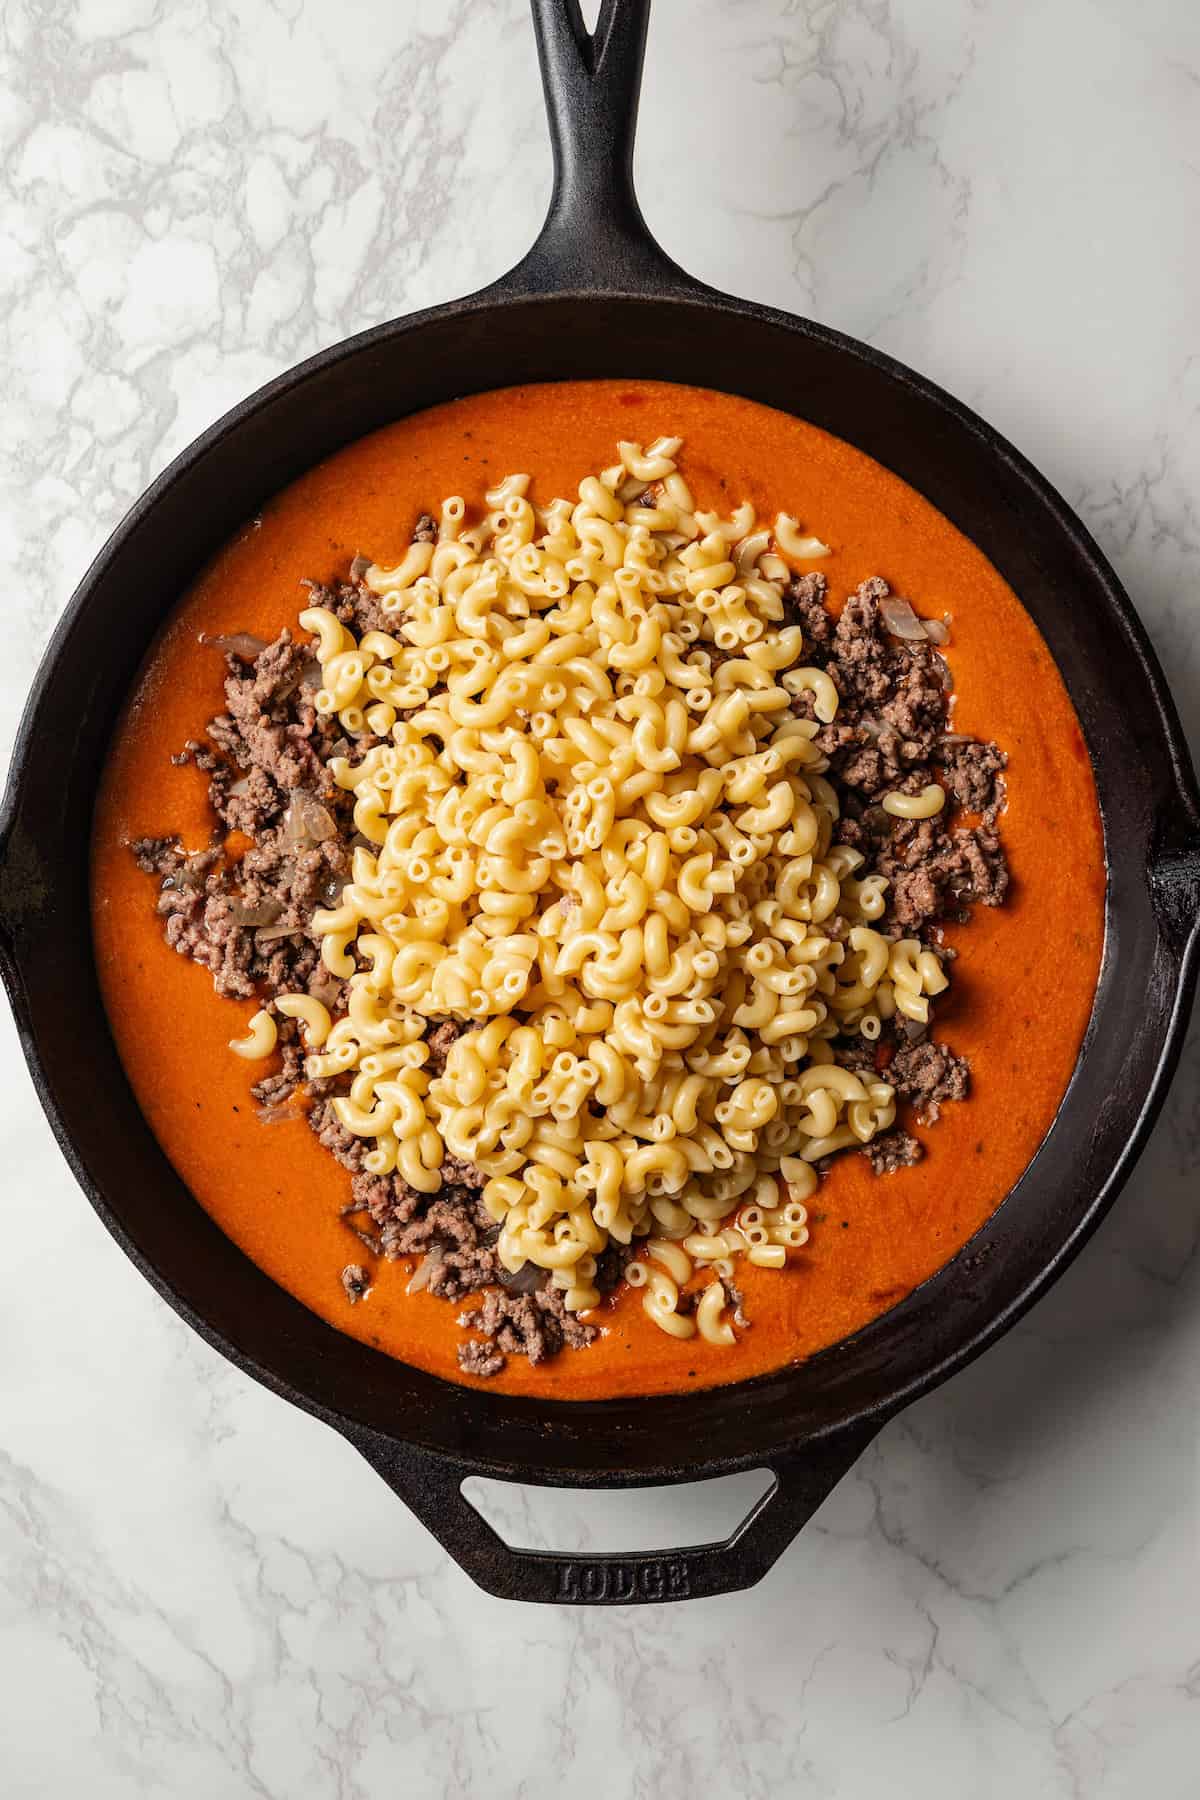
<point>259,1040</point>
<point>610,854</point>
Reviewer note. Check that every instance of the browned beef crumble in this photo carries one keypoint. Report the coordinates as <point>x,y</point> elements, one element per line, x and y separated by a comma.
<point>893,1150</point>
<point>892,733</point>
<point>249,919</point>
<point>535,1325</point>
<point>928,1075</point>
<point>444,1034</point>
<point>804,605</point>
<point>858,1054</point>
<point>935,872</point>
<point>356,1281</point>
<point>610,1266</point>
<point>332,1135</point>
<point>462,1174</point>
<point>735,1298</point>
<point>476,1356</point>
<point>971,773</point>
<point>276,1089</point>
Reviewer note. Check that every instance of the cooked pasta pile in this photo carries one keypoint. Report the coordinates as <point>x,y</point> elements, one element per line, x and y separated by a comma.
<point>601,837</point>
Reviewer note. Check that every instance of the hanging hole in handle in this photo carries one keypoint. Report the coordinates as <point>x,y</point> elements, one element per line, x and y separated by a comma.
<point>607,1521</point>
<point>594,239</point>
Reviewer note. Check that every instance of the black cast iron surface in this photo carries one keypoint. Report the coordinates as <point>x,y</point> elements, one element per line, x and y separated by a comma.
<point>596,297</point>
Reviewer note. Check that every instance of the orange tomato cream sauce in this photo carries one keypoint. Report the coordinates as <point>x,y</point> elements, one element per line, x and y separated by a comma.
<point>1022,982</point>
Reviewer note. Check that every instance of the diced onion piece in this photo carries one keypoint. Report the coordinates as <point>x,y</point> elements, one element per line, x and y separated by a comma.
<point>237,643</point>
<point>265,913</point>
<point>306,821</point>
<point>270,933</point>
<point>900,621</point>
<point>424,1271</point>
<point>525,1280</point>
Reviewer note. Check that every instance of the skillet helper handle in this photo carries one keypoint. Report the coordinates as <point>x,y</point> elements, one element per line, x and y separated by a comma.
<point>594,238</point>
<point>10,901</point>
<point>1175,885</point>
<point>432,1488</point>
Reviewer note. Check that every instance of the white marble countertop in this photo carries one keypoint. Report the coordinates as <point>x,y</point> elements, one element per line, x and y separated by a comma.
<point>205,1594</point>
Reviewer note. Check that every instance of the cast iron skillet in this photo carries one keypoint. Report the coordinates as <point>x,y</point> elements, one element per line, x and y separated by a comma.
<point>596,297</point>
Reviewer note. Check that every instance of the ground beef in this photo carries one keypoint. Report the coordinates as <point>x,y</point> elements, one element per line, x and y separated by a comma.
<point>355,1281</point>
<point>933,870</point>
<point>201,755</point>
<point>981,870</point>
<point>893,702</point>
<point>247,920</point>
<point>440,1038</point>
<point>928,1074</point>
<point>446,1223</point>
<point>735,1298</point>
<point>355,604</point>
<point>333,1136</point>
<point>915,897</point>
<point>915,708</point>
<point>610,1266</point>
<point>856,1053</point>
<point>198,920</point>
<point>385,1197</point>
<point>972,772</point>
<point>891,735</point>
<point>451,1228</point>
<point>246,803</point>
<point>893,1150</point>
<point>457,1273</point>
<point>157,856</point>
<point>861,659</point>
<point>271,725</point>
<point>478,1357</point>
<point>277,1087</point>
<point>458,1173</point>
<point>533,1325</point>
<point>804,605</point>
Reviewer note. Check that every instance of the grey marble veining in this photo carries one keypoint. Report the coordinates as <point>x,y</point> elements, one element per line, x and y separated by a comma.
<point>204,1594</point>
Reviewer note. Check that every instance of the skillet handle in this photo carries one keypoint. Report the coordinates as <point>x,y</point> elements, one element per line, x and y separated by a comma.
<point>432,1487</point>
<point>594,238</point>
